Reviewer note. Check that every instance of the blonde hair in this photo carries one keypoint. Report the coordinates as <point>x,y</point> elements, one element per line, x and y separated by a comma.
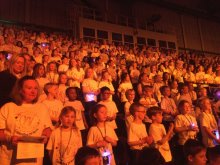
<point>13,60</point>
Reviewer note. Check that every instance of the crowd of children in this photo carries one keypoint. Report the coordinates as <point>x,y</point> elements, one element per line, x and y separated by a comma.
<point>99,94</point>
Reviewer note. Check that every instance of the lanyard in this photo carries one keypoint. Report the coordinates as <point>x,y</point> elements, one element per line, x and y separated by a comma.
<point>212,120</point>
<point>101,131</point>
<point>188,119</point>
<point>62,154</point>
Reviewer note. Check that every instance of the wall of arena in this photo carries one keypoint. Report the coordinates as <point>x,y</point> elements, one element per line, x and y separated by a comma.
<point>191,31</point>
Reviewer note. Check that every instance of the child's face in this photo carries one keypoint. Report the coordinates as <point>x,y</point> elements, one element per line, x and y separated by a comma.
<point>63,79</point>
<point>106,76</point>
<point>131,96</point>
<point>186,108</point>
<point>167,92</point>
<point>207,105</point>
<point>101,115</point>
<point>140,113</point>
<point>72,94</point>
<point>175,85</point>
<point>93,161</point>
<point>185,90</point>
<point>52,67</point>
<point>68,119</point>
<point>41,71</point>
<point>89,73</point>
<point>53,90</point>
<point>199,159</point>
<point>127,78</point>
<point>203,92</point>
<point>148,92</point>
<point>106,95</point>
<point>158,117</point>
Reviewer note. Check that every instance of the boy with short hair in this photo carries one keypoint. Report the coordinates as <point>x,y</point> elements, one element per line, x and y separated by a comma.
<point>53,105</point>
<point>158,132</point>
<point>137,134</point>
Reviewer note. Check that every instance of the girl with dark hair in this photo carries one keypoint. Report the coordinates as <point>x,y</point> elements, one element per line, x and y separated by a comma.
<point>101,135</point>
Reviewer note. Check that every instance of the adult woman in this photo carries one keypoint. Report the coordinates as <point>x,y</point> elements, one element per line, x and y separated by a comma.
<point>25,117</point>
<point>16,69</point>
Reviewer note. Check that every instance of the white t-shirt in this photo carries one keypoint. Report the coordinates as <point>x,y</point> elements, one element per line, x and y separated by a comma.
<point>157,131</point>
<point>76,75</point>
<point>27,119</point>
<point>94,135</point>
<point>54,108</point>
<point>77,105</point>
<point>92,85</point>
<point>122,89</point>
<point>185,121</point>
<point>64,144</point>
<point>128,117</point>
<point>207,120</point>
<point>137,132</point>
<point>111,111</point>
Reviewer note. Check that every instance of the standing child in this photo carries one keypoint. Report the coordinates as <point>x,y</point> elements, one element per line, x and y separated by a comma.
<point>73,95</point>
<point>185,126</point>
<point>62,86</point>
<point>112,109</point>
<point>130,95</point>
<point>208,124</point>
<point>52,74</point>
<point>102,136</point>
<point>137,133</point>
<point>53,105</point>
<point>168,105</point>
<point>66,139</point>
<point>158,132</point>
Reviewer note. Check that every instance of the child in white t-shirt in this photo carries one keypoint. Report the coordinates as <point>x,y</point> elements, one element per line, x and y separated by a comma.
<point>62,86</point>
<point>137,133</point>
<point>66,139</point>
<point>102,136</point>
<point>72,94</point>
<point>208,125</point>
<point>112,109</point>
<point>123,86</point>
<point>130,95</point>
<point>52,74</point>
<point>186,128</point>
<point>147,100</point>
<point>168,105</point>
<point>53,105</point>
<point>158,132</point>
